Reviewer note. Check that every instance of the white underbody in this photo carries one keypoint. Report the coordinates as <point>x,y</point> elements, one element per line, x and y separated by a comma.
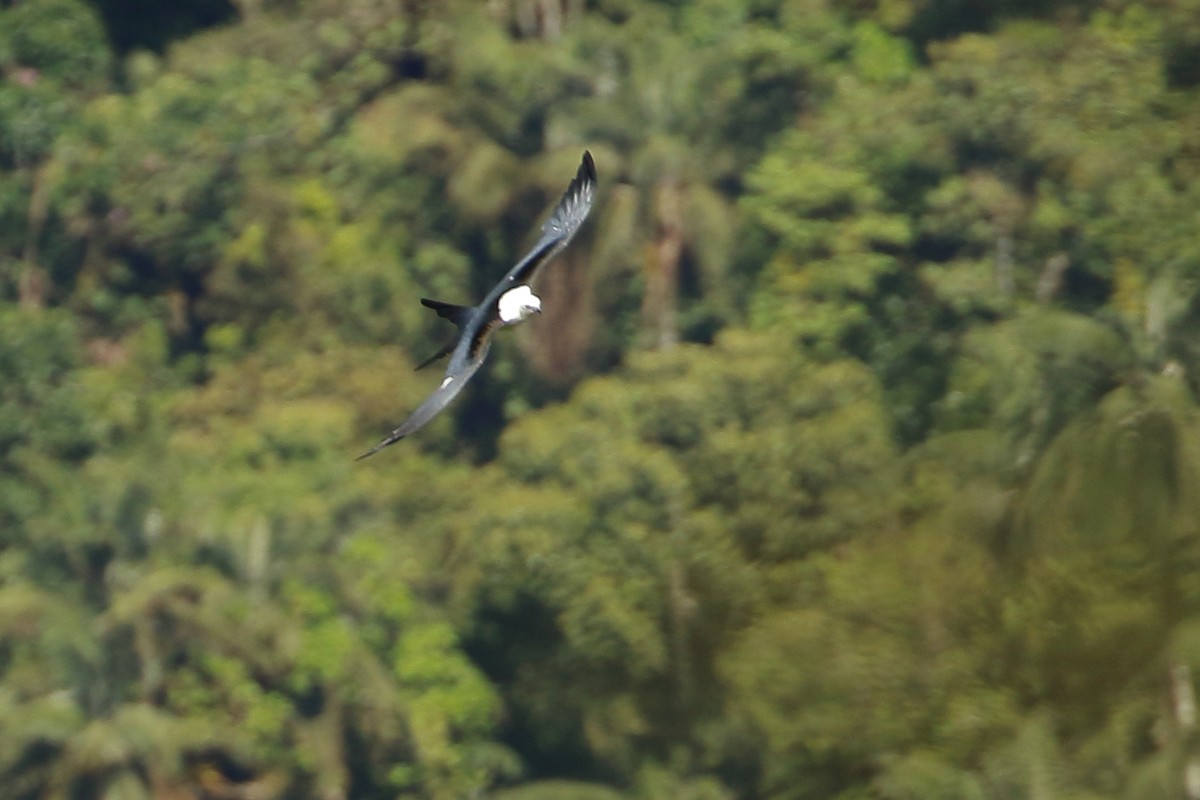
<point>518,303</point>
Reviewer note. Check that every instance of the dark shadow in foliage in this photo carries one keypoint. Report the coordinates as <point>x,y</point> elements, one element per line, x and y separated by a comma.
<point>1183,66</point>
<point>503,639</point>
<point>946,19</point>
<point>152,24</point>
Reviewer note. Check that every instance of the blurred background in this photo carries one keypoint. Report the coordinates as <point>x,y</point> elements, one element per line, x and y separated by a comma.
<point>856,455</point>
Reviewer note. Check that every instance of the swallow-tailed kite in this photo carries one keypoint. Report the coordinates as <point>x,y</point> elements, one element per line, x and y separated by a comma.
<point>510,302</point>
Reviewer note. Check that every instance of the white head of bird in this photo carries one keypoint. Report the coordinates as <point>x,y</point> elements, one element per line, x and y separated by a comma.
<point>518,303</point>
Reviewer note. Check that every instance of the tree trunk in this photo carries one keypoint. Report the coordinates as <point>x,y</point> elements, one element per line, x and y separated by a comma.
<point>562,333</point>
<point>1183,697</point>
<point>552,19</point>
<point>31,286</point>
<point>1004,266</point>
<point>525,16</point>
<point>662,284</point>
<point>682,606</point>
<point>1051,278</point>
<point>31,281</point>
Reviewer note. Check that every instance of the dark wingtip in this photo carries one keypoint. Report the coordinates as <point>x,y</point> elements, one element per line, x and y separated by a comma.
<point>378,447</point>
<point>588,168</point>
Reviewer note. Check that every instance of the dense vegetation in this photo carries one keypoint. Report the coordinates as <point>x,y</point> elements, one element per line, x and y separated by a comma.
<point>857,454</point>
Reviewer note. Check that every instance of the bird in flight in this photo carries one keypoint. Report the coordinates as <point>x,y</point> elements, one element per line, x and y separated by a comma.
<point>509,302</point>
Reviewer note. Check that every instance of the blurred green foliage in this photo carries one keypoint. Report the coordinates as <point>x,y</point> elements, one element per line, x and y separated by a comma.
<point>856,455</point>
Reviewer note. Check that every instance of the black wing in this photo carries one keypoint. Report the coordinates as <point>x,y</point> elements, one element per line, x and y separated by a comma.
<point>433,405</point>
<point>568,215</point>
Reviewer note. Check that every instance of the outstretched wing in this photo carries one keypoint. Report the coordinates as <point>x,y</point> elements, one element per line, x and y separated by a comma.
<point>451,385</point>
<point>568,215</point>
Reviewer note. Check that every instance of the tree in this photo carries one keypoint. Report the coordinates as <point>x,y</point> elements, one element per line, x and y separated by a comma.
<point>633,534</point>
<point>54,57</point>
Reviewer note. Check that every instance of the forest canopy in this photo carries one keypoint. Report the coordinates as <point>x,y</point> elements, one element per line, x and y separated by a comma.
<point>856,454</point>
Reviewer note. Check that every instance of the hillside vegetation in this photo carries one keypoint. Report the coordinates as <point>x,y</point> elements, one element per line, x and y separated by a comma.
<point>857,454</point>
